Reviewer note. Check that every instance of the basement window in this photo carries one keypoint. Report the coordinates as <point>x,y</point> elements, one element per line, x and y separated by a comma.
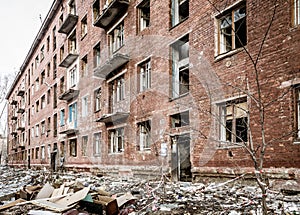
<point>180,11</point>
<point>233,121</point>
<point>296,12</point>
<point>180,67</point>
<point>232,29</point>
<point>180,119</point>
<point>144,14</point>
<point>116,140</point>
<point>144,134</point>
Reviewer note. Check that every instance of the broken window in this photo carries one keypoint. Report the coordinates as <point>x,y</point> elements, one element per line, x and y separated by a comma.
<point>37,106</point>
<point>84,66</point>
<point>37,84</point>
<point>97,143</point>
<point>73,115</point>
<point>116,91</point>
<point>96,53</point>
<point>37,62</point>
<point>55,96</point>
<point>48,69</point>
<point>55,125</point>
<point>84,145</point>
<point>43,77</point>
<point>61,53</point>
<point>97,99</point>
<point>42,53</point>
<point>232,30</point>
<point>180,67</point>
<point>144,14</point>
<point>296,12</point>
<point>49,124</point>
<point>297,111</point>
<point>48,43</point>
<point>54,66</point>
<point>37,130</point>
<point>48,96</point>
<point>62,117</point>
<point>43,128</point>
<point>72,43</point>
<point>145,75</point>
<point>116,38</point>
<point>144,133</point>
<point>43,102</point>
<point>116,140</point>
<point>54,38</point>
<point>180,119</point>
<point>96,10</point>
<point>37,152</point>
<point>83,26</point>
<point>85,106</point>
<point>62,85</point>
<point>73,147</point>
<point>234,121</point>
<point>180,11</point>
<point>73,76</point>
<point>72,7</point>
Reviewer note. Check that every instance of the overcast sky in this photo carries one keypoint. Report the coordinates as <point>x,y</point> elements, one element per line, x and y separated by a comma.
<point>20,23</point>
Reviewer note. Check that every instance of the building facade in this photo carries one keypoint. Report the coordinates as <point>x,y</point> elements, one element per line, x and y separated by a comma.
<point>143,87</point>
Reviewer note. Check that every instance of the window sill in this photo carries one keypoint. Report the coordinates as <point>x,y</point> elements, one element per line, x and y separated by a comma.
<point>228,54</point>
<point>148,151</point>
<point>296,142</point>
<point>97,111</point>
<point>179,97</point>
<point>116,153</point>
<point>228,145</point>
<point>172,27</point>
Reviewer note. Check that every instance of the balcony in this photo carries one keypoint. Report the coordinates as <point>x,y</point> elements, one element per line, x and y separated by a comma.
<point>21,145</point>
<point>21,92</point>
<point>69,94</point>
<point>112,12</point>
<point>69,59</point>
<point>116,118</point>
<point>112,64</point>
<point>14,102</point>
<point>14,116</point>
<point>21,127</point>
<point>21,110</point>
<point>68,24</point>
<point>68,129</point>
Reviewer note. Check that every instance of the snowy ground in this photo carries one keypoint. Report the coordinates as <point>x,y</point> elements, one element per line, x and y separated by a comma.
<point>162,196</point>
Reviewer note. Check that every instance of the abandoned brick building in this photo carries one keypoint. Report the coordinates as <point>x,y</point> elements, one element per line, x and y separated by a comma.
<point>145,87</point>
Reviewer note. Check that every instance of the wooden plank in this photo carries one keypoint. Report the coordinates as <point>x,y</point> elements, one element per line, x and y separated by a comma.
<point>11,204</point>
<point>74,198</point>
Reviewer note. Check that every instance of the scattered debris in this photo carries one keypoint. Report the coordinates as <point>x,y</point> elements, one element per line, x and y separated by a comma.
<point>71,193</point>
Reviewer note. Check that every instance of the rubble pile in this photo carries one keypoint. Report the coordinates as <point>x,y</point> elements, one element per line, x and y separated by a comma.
<point>39,192</point>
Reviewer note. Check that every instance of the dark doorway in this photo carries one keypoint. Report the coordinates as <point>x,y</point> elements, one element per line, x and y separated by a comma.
<point>181,159</point>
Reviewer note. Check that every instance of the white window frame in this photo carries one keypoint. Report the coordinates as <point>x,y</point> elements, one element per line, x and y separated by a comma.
<point>97,144</point>
<point>144,129</point>
<point>84,106</point>
<point>116,38</point>
<point>176,4</point>
<point>296,12</point>
<point>144,20</point>
<point>180,66</point>
<point>226,23</point>
<point>116,135</point>
<point>232,110</point>
<point>145,75</point>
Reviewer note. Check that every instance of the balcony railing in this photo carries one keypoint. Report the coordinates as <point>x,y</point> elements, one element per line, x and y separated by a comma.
<point>68,24</point>
<point>111,12</point>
